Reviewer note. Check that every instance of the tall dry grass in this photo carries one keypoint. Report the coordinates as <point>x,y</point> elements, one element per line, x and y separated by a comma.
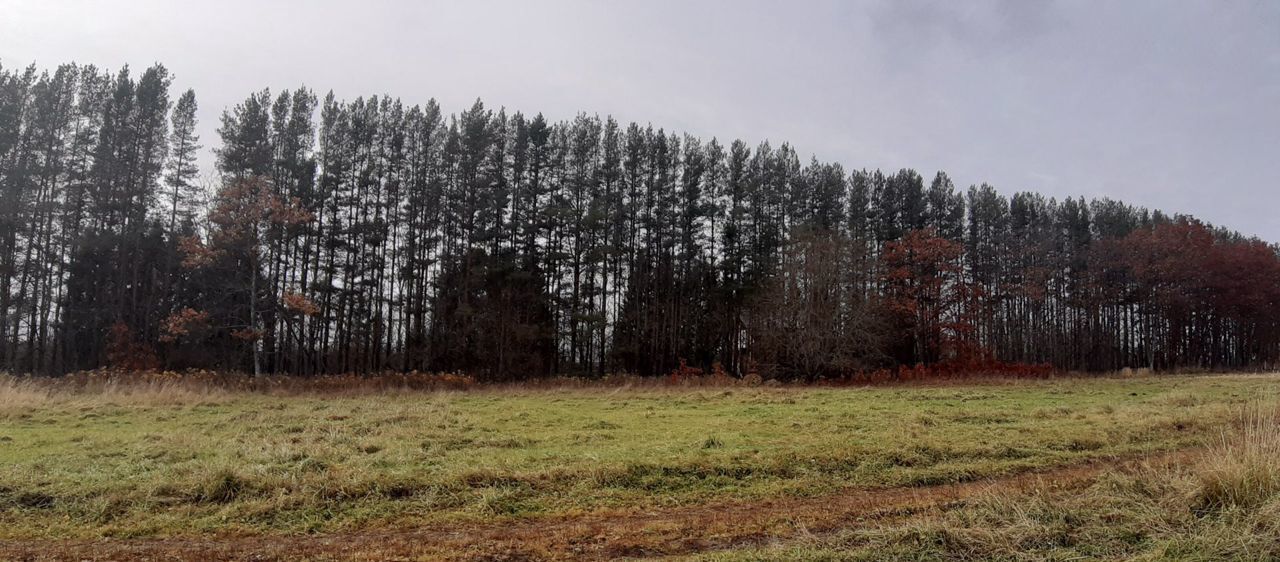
<point>24,393</point>
<point>185,386</point>
<point>1242,469</point>
<point>182,387</point>
<point>18,392</point>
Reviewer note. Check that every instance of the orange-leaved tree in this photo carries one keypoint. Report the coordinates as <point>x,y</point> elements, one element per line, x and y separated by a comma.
<point>247,217</point>
<point>926,290</point>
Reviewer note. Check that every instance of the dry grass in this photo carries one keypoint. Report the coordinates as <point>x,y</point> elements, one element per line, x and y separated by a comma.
<point>21,393</point>
<point>160,388</point>
<point>181,387</point>
<point>1223,505</point>
<point>1243,468</point>
<point>90,389</point>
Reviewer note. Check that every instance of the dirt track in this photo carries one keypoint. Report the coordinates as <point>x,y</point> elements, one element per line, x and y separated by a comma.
<point>594,536</point>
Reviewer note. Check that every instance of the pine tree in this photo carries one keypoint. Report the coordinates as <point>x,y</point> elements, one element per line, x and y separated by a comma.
<point>180,180</point>
<point>394,237</point>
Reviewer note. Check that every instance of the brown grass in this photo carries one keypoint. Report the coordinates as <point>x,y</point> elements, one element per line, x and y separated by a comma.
<point>1243,467</point>
<point>180,386</point>
<point>24,393</point>
<point>196,385</point>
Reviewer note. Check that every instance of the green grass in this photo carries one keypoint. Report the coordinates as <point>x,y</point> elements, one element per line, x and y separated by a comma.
<point>179,463</point>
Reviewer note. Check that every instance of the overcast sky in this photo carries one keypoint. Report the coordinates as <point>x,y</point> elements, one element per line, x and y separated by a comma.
<point>1169,104</point>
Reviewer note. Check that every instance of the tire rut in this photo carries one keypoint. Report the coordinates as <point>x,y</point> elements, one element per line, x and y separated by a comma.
<point>604,535</point>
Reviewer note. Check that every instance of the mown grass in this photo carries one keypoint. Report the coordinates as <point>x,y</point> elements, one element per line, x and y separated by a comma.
<point>126,463</point>
<point>1223,505</point>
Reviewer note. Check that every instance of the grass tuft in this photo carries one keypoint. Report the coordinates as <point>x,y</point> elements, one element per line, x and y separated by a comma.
<point>1243,467</point>
<point>223,486</point>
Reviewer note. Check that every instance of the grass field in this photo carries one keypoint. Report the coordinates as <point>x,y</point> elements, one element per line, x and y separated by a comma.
<point>185,462</point>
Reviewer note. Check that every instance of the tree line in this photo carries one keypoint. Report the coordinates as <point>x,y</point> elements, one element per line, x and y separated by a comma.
<point>368,235</point>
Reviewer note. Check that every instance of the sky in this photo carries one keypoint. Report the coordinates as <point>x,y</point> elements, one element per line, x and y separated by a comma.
<point>1169,104</point>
